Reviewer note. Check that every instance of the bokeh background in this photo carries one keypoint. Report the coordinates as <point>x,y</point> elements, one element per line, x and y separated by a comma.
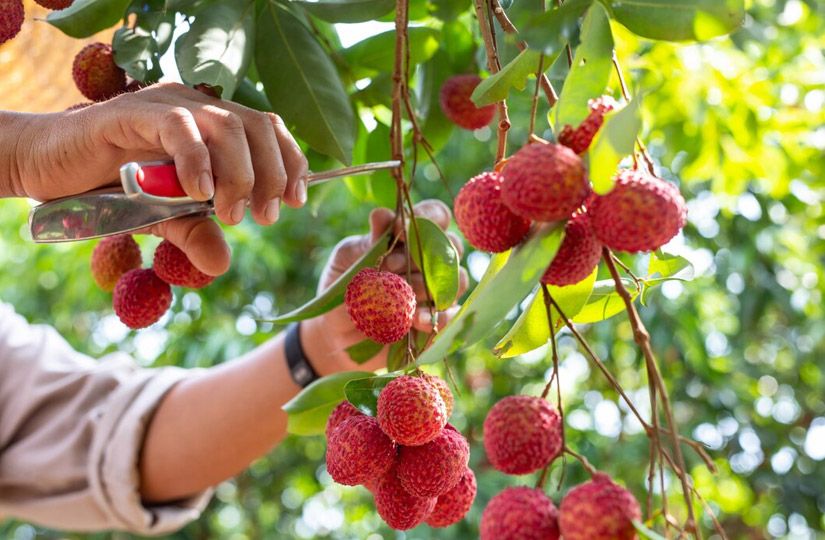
<point>739,122</point>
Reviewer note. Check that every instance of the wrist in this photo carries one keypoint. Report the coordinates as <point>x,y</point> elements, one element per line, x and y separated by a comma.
<point>319,351</point>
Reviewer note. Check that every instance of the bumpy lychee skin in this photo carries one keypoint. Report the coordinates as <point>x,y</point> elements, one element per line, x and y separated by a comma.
<point>520,513</point>
<point>579,139</point>
<point>11,19</point>
<point>432,469</point>
<point>96,74</point>
<point>341,412</point>
<point>459,108</point>
<point>55,4</point>
<point>358,451</point>
<point>454,505</point>
<point>599,510</point>
<point>641,213</point>
<point>112,257</point>
<point>578,254</point>
<point>443,390</point>
<point>398,508</point>
<point>380,304</point>
<point>173,266</point>
<point>141,298</point>
<point>411,411</point>
<point>522,434</point>
<point>487,223</point>
<point>544,182</point>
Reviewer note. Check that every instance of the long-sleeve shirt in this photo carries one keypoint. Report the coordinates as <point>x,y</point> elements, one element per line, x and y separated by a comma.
<point>71,431</point>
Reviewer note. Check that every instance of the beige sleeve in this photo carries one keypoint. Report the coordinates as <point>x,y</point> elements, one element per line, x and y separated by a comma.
<point>71,430</point>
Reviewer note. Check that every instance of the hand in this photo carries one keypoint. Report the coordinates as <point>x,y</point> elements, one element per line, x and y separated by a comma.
<point>325,338</point>
<point>237,155</point>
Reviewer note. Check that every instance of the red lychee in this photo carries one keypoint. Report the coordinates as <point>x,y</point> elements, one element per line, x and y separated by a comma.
<point>454,505</point>
<point>96,74</point>
<point>544,182</point>
<point>432,469</point>
<point>484,219</point>
<point>398,508</point>
<point>578,254</point>
<point>520,513</point>
<point>579,139</point>
<point>459,108</point>
<point>522,434</point>
<point>411,411</point>
<point>641,213</point>
<point>380,304</point>
<point>173,266</point>
<point>11,19</point>
<point>55,4</point>
<point>141,298</point>
<point>112,257</point>
<point>443,390</point>
<point>341,412</point>
<point>358,451</point>
<point>599,510</point>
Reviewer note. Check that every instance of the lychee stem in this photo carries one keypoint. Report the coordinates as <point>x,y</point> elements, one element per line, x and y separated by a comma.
<point>487,34</point>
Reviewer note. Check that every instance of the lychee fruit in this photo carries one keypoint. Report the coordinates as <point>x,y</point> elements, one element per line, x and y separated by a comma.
<point>599,510</point>
<point>380,304</point>
<point>520,513</point>
<point>11,19</point>
<point>454,505</point>
<point>487,223</point>
<point>397,507</point>
<point>432,469</point>
<point>358,451</point>
<point>141,298</point>
<point>55,4</point>
<point>641,213</point>
<point>112,257</point>
<point>341,412</point>
<point>522,434</point>
<point>544,182</point>
<point>579,139</point>
<point>578,254</point>
<point>411,411</point>
<point>96,74</point>
<point>173,266</point>
<point>459,108</point>
<point>443,390</point>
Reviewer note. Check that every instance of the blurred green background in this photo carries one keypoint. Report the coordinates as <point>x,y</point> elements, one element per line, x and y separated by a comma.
<point>738,122</point>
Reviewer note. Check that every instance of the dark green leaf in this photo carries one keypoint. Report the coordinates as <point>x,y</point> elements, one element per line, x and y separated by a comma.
<point>514,75</point>
<point>397,355</point>
<point>377,53</point>
<point>364,350</point>
<point>138,48</point>
<point>612,143</point>
<point>85,18</point>
<point>549,32</point>
<point>347,11</point>
<point>247,94</point>
<point>679,20</point>
<point>363,393</point>
<point>307,412</point>
<point>440,266</point>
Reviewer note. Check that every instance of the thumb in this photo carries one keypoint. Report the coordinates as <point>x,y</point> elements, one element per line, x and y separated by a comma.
<point>380,220</point>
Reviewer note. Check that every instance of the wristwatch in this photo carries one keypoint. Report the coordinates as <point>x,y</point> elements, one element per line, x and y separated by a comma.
<point>300,369</point>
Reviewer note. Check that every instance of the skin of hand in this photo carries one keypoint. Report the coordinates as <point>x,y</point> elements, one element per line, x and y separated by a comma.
<point>238,156</point>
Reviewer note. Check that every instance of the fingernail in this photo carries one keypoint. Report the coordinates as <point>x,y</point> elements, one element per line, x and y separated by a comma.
<point>301,190</point>
<point>273,209</point>
<point>237,211</point>
<point>206,186</point>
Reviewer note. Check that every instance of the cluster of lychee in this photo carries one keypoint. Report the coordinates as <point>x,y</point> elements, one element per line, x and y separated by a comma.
<point>409,457</point>
<point>12,15</point>
<point>140,296</point>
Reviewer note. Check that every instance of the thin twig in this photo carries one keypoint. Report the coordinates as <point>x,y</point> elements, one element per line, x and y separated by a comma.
<point>493,66</point>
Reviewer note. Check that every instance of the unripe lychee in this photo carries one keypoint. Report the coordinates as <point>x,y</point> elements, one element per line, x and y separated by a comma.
<point>432,469</point>
<point>599,510</point>
<point>520,513</point>
<point>11,19</point>
<point>522,434</point>
<point>358,451</point>
<point>411,411</point>
<point>112,257</point>
<point>96,74</point>
<point>454,505</point>
<point>398,508</point>
<point>459,108</point>
<point>483,217</point>
<point>141,298</point>
<point>578,254</point>
<point>173,266</point>
<point>641,213</point>
<point>55,4</point>
<point>341,412</point>
<point>443,390</point>
<point>544,182</point>
<point>380,304</point>
<point>579,139</point>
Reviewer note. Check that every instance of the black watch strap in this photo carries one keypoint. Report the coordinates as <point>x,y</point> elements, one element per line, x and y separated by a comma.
<point>299,367</point>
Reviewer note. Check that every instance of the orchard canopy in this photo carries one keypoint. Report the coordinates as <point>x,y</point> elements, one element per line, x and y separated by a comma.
<point>691,374</point>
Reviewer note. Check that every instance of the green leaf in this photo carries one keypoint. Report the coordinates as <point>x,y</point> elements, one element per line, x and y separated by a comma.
<point>644,532</point>
<point>591,69</point>
<point>247,94</point>
<point>377,53</point>
<point>85,18</point>
<point>347,11</point>
<point>307,412</point>
<point>514,75</point>
<point>364,350</point>
<point>549,32</point>
<point>396,355</point>
<point>217,49</point>
<point>604,302</point>
<point>363,393</point>
<point>334,295</point>
<point>679,20</point>
<point>440,264</point>
<point>302,83</point>
<point>494,298</point>
<point>668,266</point>
<point>612,143</point>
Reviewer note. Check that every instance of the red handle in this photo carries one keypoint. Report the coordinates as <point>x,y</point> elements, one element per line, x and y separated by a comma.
<point>160,180</point>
